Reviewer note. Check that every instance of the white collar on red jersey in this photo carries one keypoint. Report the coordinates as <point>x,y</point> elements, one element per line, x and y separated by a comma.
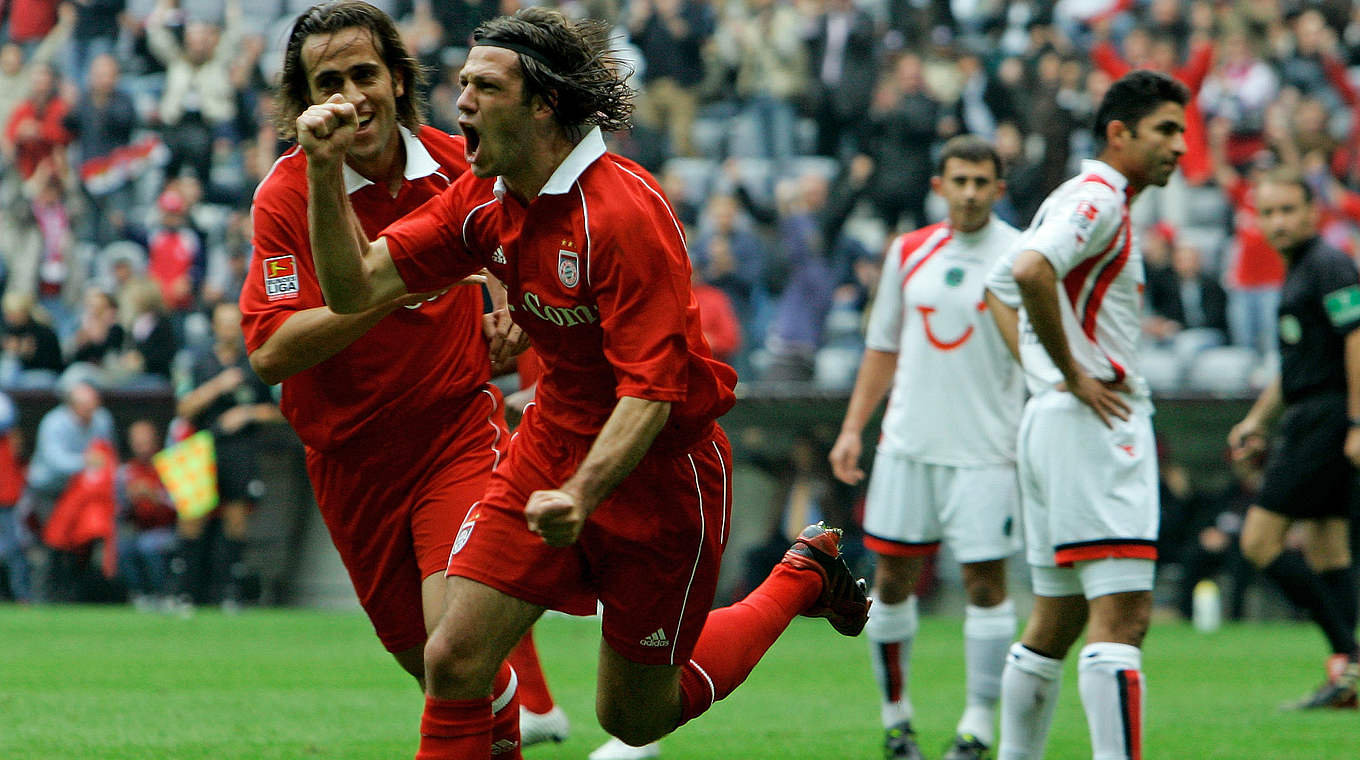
<point>1118,181</point>
<point>419,163</point>
<point>572,167</point>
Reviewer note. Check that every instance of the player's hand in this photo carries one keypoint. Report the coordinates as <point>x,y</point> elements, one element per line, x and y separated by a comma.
<point>1352,448</point>
<point>1101,396</point>
<point>505,339</point>
<point>844,458</point>
<point>326,130</point>
<point>556,516</point>
<point>1247,439</point>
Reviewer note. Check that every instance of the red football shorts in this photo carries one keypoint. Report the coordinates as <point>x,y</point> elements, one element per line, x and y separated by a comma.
<point>393,504</point>
<point>649,553</point>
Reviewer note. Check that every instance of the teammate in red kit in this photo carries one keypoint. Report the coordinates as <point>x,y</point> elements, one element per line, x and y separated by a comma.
<point>615,487</point>
<point>392,502</point>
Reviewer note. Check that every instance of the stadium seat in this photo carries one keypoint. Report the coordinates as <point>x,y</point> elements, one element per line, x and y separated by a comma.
<point>1163,368</point>
<point>1224,371</point>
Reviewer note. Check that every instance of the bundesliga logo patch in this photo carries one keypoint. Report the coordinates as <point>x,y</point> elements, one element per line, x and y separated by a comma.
<point>281,278</point>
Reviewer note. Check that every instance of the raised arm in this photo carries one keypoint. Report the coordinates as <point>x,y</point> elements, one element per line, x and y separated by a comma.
<point>355,275</point>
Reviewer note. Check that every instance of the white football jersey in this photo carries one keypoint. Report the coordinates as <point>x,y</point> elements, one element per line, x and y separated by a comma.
<point>1083,230</point>
<point>957,393</point>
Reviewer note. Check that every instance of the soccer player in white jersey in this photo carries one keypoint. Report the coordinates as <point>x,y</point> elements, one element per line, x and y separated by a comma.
<point>1087,460</point>
<point>945,465</point>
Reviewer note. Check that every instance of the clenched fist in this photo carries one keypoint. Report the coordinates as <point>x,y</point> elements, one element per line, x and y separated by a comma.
<point>325,131</point>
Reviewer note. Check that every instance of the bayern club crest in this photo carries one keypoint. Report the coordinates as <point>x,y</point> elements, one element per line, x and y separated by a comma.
<point>568,268</point>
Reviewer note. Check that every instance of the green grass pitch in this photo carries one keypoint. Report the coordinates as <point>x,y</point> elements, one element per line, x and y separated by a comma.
<point>110,684</point>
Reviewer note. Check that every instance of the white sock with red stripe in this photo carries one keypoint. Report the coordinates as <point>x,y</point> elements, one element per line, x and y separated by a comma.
<point>987,634</point>
<point>1111,680</point>
<point>891,630</point>
<point>1029,694</point>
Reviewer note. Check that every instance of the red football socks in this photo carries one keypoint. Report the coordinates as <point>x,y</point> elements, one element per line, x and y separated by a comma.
<point>735,638</point>
<point>533,688</point>
<point>458,729</point>
<point>455,729</point>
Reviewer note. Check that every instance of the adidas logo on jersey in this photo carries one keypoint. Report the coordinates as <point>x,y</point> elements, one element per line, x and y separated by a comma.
<point>498,256</point>
<point>503,746</point>
<point>656,639</point>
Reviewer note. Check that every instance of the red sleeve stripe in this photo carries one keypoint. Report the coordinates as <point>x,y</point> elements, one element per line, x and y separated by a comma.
<point>890,548</point>
<point>1106,276</point>
<point>1109,548</point>
<point>1131,710</point>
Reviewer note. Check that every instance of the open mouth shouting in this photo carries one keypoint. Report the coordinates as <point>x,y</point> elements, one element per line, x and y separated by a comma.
<point>474,141</point>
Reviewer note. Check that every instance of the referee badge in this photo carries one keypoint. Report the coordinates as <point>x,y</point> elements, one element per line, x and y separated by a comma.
<point>568,268</point>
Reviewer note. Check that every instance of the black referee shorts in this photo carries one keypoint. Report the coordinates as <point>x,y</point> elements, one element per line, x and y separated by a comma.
<point>1308,475</point>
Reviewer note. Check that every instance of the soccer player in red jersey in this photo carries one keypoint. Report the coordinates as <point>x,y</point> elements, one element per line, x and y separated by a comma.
<point>399,442</point>
<point>615,487</point>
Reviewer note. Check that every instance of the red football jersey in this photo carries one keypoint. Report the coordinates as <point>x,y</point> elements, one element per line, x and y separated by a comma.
<point>598,277</point>
<point>404,364</point>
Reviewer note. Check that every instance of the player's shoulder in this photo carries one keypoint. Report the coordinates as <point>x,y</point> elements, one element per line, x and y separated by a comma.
<point>286,178</point>
<point>449,150</point>
<point>908,242</point>
<point>624,186</point>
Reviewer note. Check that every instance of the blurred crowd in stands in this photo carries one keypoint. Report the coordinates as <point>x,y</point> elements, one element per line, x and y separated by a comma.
<point>794,137</point>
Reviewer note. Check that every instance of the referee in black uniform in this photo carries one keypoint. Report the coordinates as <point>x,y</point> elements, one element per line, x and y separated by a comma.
<point>1310,473</point>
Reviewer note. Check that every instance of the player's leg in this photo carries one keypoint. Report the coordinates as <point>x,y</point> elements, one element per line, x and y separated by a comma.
<point>229,566</point>
<point>1327,551</point>
<point>1110,670</point>
<point>463,656</point>
<point>902,526</point>
<point>1032,677</point>
<point>1263,545</point>
<point>891,630</point>
<point>641,702</point>
<point>988,629</point>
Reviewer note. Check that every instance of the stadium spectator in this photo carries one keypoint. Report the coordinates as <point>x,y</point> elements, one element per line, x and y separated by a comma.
<point>616,437</point>
<point>1239,90</point>
<point>95,32</point>
<point>12,541</point>
<point>175,256</point>
<point>729,255</point>
<point>198,103</point>
<point>761,42</point>
<point>16,73</point>
<point>1089,488</point>
<point>103,124</point>
<point>902,126</point>
<point>65,437</point>
<point>146,521</point>
<point>394,517</point>
<point>945,463</point>
<point>31,350</point>
<point>1310,474</point>
<point>1185,297</point>
<point>671,35</point>
<point>36,130</point>
<point>100,338</point>
<point>220,393</point>
<point>1211,528</point>
<point>44,255</point>
<point>153,344</point>
<point>843,51</point>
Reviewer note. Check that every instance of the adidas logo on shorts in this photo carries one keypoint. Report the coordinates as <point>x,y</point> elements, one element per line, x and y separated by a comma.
<point>656,639</point>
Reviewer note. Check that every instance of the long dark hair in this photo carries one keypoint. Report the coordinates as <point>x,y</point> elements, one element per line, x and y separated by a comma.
<point>294,95</point>
<point>573,68</point>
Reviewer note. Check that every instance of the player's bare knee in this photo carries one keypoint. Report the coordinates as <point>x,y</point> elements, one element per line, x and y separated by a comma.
<point>985,592</point>
<point>1259,549</point>
<point>453,667</point>
<point>895,578</point>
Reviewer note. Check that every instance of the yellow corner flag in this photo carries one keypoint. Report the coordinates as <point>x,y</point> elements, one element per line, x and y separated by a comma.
<point>189,471</point>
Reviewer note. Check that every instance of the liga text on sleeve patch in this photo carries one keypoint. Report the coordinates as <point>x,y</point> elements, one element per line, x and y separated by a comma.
<point>280,277</point>
<point>1343,306</point>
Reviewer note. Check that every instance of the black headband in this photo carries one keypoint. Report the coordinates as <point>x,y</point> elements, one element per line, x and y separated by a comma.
<point>518,48</point>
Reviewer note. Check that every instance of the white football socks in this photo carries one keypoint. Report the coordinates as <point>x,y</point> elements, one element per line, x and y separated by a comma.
<point>1029,694</point>
<point>1110,677</point>
<point>891,630</point>
<point>987,634</point>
